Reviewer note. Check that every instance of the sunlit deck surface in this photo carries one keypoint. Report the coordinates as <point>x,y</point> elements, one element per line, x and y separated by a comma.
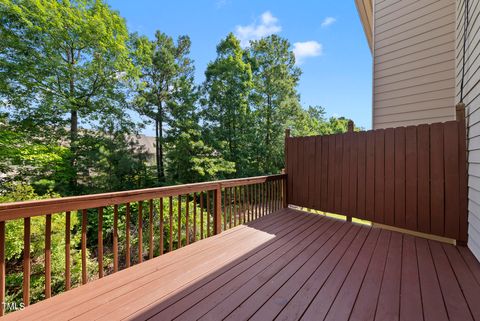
<point>288,265</point>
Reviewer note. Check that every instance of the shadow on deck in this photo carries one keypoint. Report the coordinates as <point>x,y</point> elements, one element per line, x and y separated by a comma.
<point>289,265</point>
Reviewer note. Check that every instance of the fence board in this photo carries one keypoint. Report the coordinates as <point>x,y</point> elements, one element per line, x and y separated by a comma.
<point>423,150</point>
<point>411,177</point>
<point>370,177</point>
<point>352,192</point>
<point>325,171</point>
<point>338,173</point>
<point>311,170</point>
<point>345,173</point>
<point>318,172</point>
<point>379,176</point>
<point>331,173</point>
<point>400,176</point>
<point>437,179</point>
<point>290,163</point>
<point>361,171</point>
<point>390,176</point>
<point>452,187</point>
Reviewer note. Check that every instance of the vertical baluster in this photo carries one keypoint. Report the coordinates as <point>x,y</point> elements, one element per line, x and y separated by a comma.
<point>277,207</point>
<point>224,209</point>
<point>100,242</point>
<point>187,235</point>
<point>140,231</point>
<point>170,216</point>
<point>127,236</point>
<point>201,215</point>
<point>67,251</point>
<point>249,212</point>
<point>230,206</point>
<point>48,256</point>
<point>245,201</point>
<point>84,246</point>
<point>265,198</point>
<point>275,193</point>
<point>150,222</point>
<point>26,261</point>
<point>235,206</point>
<point>254,201</point>
<point>273,196</point>
<point>239,205</point>
<point>257,201</point>
<point>279,195</point>
<point>194,217</point>
<point>262,199</point>
<point>241,219</point>
<point>161,225</point>
<point>115,238</point>
<point>2,267</point>
<point>179,219</point>
<point>270,197</point>
<point>208,213</point>
<point>217,210</point>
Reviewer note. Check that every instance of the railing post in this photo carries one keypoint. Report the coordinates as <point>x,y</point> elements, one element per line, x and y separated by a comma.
<point>350,128</point>
<point>284,180</point>
<point>217,210</point>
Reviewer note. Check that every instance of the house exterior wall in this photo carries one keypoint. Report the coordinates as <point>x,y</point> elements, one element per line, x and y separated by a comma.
<point>414,62</point>
<point>472,102</point>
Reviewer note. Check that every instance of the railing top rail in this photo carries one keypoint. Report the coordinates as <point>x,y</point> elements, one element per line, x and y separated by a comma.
<point>16,210</point>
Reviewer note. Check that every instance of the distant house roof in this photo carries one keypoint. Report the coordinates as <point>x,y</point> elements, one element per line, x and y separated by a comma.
<point>365,11</point>
<point>148,142</point>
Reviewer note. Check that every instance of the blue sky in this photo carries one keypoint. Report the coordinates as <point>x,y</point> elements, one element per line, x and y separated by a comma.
<point>327,37</point>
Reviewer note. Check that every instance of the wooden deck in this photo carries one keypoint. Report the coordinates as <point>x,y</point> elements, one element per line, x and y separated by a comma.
<point>287,266</point>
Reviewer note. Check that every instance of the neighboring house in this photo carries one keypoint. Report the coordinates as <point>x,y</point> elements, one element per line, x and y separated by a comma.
<point>420,72</point>
<point>148,143</point>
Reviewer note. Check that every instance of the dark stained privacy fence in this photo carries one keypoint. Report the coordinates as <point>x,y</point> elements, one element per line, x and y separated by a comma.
<point>409,177</point>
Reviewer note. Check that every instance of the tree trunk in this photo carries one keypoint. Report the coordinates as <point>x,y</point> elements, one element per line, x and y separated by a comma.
<point>73,126</point>
<point>159,146</point>
<point>268,158</point>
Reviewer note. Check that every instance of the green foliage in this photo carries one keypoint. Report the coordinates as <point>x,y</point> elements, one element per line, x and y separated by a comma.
<point>62,62</point>
<point>165,71</point>
<point>14,248</point>
<point>275,97</point>
<point>227,112</point>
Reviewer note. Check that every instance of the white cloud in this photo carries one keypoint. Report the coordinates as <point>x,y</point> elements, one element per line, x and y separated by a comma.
<point>306,49</point>
<point>328,21</point>
<point>268,25</point>
<point>221,3</point>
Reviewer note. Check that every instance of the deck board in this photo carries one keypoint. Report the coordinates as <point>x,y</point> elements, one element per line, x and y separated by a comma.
<point>289,265</point>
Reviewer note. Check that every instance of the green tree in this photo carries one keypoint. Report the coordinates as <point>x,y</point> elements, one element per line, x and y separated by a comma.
<point>227,113</point>
<point>189,158</point>
<point>25,158</point>
<point>162,63</point>
<point>62,62</point>
<point>274,97</point>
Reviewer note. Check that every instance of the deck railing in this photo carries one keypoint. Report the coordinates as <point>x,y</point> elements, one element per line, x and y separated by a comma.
<point>202,210</point>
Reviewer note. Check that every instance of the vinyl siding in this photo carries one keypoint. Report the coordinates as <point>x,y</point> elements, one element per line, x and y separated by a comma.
<point>414,62</point>
<point>472,102</point>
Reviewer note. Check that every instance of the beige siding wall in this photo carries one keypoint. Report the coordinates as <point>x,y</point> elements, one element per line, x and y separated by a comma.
<point>472,101</point>
<point>414,62</point>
